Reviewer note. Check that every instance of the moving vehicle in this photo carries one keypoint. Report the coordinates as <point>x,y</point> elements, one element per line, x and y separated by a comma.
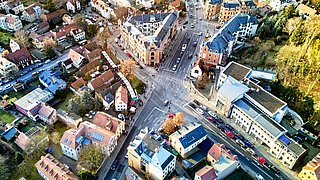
<point>184,46</point>
<point>166,102</point>
<point>190,56</point>
<point>114,165</point>
<point>174,67</point>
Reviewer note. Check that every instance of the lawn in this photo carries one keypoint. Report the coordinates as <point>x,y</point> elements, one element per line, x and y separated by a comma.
<point>5,37</point>
<point>18,95</point>
<point>64,104</point>
<point>138,85</point>
<point>6,117</point>
<point>60,127</point>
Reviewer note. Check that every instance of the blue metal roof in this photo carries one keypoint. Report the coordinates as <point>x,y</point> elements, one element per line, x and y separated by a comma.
<point>284,139</point>
<point>193,136</point>
<point>97,136</point>
<point>231,4</point>
<point>215,1</point>
<point>52,80</point>
<point>166,162</point>
<point>9,134</point>
<point>86,141</point>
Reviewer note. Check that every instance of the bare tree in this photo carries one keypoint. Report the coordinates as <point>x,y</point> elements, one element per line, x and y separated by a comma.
<point>48,43</point>
<point>173,123</point>
<point>102,38</point>
<point>127,68</point>
<point>22,38</point>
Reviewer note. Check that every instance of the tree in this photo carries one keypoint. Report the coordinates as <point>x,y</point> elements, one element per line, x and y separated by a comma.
<point>97,103</point>
<point>50,53</point>
<point>203,81</point>
<point>290,11</point>
<point>5,173</point>
<point>127,69</point>
<point>79,19</point>
<point>87,100</point>
<point>173,123</point>
<point>18,157</point>
<point>91,157</point>
<point>92,30</point>
<point>48,43</point>
<point>85,175</point>
<point>74,105</point>
<point>291,25</point>
<point>22,38</point>
<point>102,38</point>
<point>49,5</point>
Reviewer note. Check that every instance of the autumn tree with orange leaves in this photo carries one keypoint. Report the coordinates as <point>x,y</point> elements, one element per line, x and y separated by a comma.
<point>171,124</point>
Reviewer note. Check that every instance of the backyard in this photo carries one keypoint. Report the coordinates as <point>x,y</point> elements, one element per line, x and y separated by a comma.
<point>6,117</point>
<point>63,105</point>
<point>5,37</point>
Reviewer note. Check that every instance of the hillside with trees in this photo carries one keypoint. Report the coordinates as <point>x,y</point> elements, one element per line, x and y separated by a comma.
<point>290,45</point>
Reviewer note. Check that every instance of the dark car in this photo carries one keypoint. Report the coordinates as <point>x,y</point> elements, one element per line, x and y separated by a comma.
<point>114,165</point>
<point>185,23</point>
<point>194,44</point>
<point>239,136</point>
<point>220,127</point>
<point>248,144</point>
<point>197,102</point>
<point>48,150</point>
<point>229,127</point>
<point>192,105</point>
<point>190,56</point>
<point>219,120</point>
<point>274,169</point>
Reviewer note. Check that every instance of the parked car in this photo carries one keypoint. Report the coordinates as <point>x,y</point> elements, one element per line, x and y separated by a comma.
<point>211,113</point>
<point>114,165</point>
<point>200,111</point>
<point>251,151</point>
<point>126,156</point>
<point>220,127</point>
<point>197,102</point>
<point>219,120</point>
<point>174,67</point>
<point>47,61</point>
<point>229,127</point>
<point>203,107</point>
<point>238,141</point>
<point>92,112</point>
<point>48,150</point>
<point>178,60</point>
<point>166,102</point>
<point>248,144</point>
<point>259,177</point>
<point>190,56</point>
<point>194,44</point>
<point>192,105</point>
<point>274,169</point>
<point>229,134</point>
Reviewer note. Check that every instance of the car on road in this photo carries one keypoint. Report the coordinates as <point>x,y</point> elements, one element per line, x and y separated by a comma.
<point>238,141</point>
<point>200,18</point>
<point>194,44</point>
<point>178,60</point>
<point>248,144</point>
<point>192,26</point>
<point>166,102</point>
<point>220,127</point>
<point>114,165</point>
<point>201,33</point>
<point>174,67</point>
<point>274,169</point>
<point>186,22</point>
<point>211,113</point>
<point>210,118</point>
<point>203,107</point>
<point>200,111</point>
<point>192,105</point>
<point>218,120</point>
<point>229,127</point>
<point>126,156</point>
<point>190,56</point>
<point>229,134</point>
<point>251,151</point>
<point>184,46</point>
<point>259,177</point>
<point>8,86</point>
<point>92,112</point>
<point>239,136</point>
<point>47,61</point>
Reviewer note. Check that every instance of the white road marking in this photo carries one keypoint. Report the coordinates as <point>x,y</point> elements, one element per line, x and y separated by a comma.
<point>261,170</point>
<point>240,152</point>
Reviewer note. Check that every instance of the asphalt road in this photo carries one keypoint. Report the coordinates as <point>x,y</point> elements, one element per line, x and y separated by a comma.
<point>169,84</point>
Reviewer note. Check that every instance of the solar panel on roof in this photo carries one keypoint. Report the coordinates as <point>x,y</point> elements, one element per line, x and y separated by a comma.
<point>97,136</point>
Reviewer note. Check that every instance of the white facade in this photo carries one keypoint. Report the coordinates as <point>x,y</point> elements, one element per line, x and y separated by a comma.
<point>73,6</point>
<point>102,7</point>
<point>196,71</point>
<point>278,5</point>
<point>7,67</point>
<point>120,106</point>
<point>17,7</point>
<point>72,153</point>
<point>145,3</point>
<point>78,35</point>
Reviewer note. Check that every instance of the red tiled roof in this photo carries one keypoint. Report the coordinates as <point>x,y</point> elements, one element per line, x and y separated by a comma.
<point>219,149</point>
<point>121,95</point>
<point>102,79</point>
<point>46,111</point>
<point>106,121</point>
<point>91,66</point>
<point>207,173</point>
<point>91,46</point>
<point>55,14</point>
<point>78,83</point>
<point>30,10</point>
<point>22,141</point>
<point>19,55</point>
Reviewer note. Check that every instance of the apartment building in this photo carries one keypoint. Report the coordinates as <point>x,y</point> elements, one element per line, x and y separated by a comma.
<point>187,138</point>
<point>145,3</point>
<point>10,22</point>
<point>149,157</point>
<point>39,39</point>
<point>52,81</point>
<point>257,112</point>
<point>148,35</point>
<point>228,10</point>
<point>222,160</point>
<point>7,68</point>
<point>73,6</point>
<point>16,6</point>
<point>206,173</point>
<point>73,140</point>
<point>101,82</point>
<point>215,51</point>
<point>32,12</point>
<point>212,9</point>
<point>102,8</point>
<point>121,99</point>
<point>311,170</point>
<point>278,5</point>
<point>110,123</point>
<point>47,114</point>
<point>49,167</point>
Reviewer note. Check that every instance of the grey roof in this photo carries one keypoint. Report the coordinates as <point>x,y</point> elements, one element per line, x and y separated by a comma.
<point>237,71</point>
<point>148,18</point>
<point>192,137</point>
<point>148,146</point>
<point>109,98</point>
<point>215,1</point>
<point>296,148</point>
<point>264,121</point>
<point>266,99</point>
<point>231,89</point>
<point>167,161</point>
<point>249,3</point>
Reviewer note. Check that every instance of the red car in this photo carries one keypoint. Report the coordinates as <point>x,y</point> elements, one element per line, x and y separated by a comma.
<point>210,118</point>
<point>129,54</point>
<point>262,160</point>
<point>229,134</point>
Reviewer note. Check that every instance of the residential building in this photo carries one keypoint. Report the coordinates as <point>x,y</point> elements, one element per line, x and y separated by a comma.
<point>21,58</point>
<point>107,101</point>
<point>215,51</point>
<point>110,123</point>
<point>22,141</point>
<point>278,5</point>
<point>13,23</point>
<point>54,17</point>
<point>212,9</point>
<point>102,8</point>
<point>311,170</point>
<point>73,6</point>
<point>187,138</point>
<point>76,58</point>
<point>78,35</point>
<point>91,67</point>
<point>174,5</point>
<point>39,40</point>
<point>222,160</point>
<point>206,173</point>
<point>32,12</point>
<point>50,168</point>
<point>196,70</point>
<point>73,140</point>
<point>15,6</point>
<point>71,120</point>
<point>306,11</point>
<point>77,85</point>
<point>30,104</point>
<point>148,156</point>
<point>121,99</point>
<point>101,82</point>
<point>257,112</point>
<point>64,33</point>
<point>52,81</point>
<point>148,35</point>
<point>145,3</point>
<point>247,6</point>
<point>43,27</point>
<point>14,46</point>
<point>7,68</point>
<point>47,114</point>
<point>228,10</point>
